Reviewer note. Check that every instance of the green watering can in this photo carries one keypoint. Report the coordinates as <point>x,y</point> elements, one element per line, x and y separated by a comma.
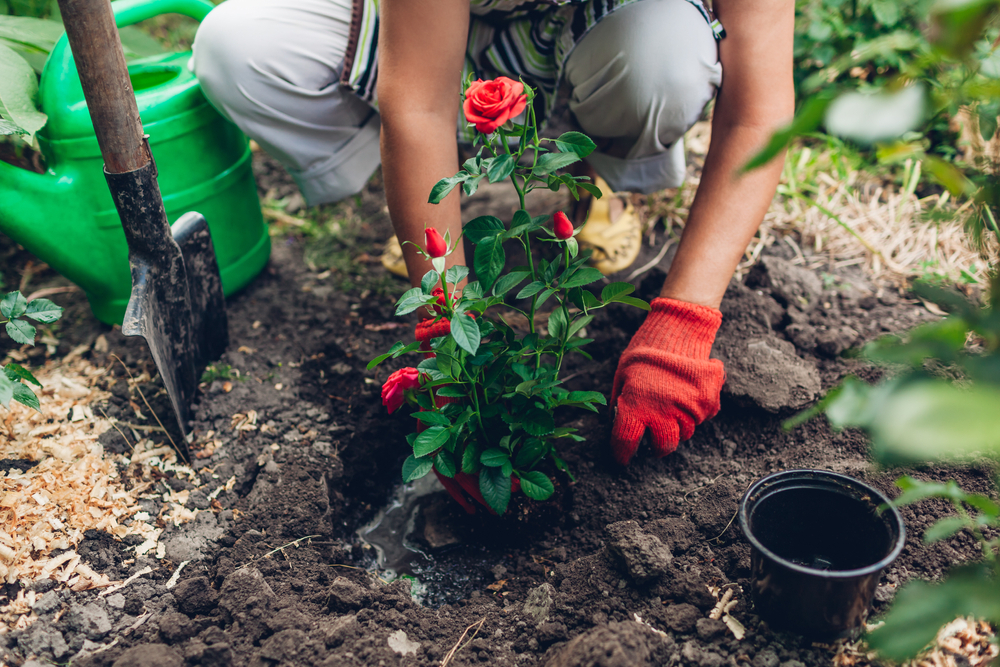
<point>66,216</point>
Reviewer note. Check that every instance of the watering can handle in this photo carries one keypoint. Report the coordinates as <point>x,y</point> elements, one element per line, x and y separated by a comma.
<point>128,12</point>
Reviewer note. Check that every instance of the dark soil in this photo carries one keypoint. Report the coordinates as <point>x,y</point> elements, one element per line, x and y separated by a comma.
<point>557,587</point>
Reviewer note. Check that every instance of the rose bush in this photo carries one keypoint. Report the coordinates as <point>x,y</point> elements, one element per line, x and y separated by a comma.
<point>488,393</point>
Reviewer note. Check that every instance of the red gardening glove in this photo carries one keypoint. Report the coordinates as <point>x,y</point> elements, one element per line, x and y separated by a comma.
<point>665,380</point>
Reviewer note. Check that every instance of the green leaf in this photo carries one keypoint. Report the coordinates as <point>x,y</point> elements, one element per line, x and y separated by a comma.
<point>432,418</point>
<point>523,222</point>
<point>494,457</point>
<point>430,440</point>
<point>578,324</point>
<point>444,186</point>
<point>430,280</point>
<point>8,128</point>
<point>583,276</point>
<point>444,463</point>
<point>415,468</point>
<point>807,120</point>
<point>18,372</point>
<point>550,162</point>
<point>470,459</point>
<point>921,609</point>
<point>19,93</point>
<point>586,397</point>
<point>483,227</point>
<point>575,142</point>
<point>450,391</point>
<point>530,290</point>
<point>43,310</point>
<point>465,331</point>
<point>943,529</point>
<point>502,167</point>
<point>530,453</point>
<point>886,12</point>
<point>31,33</point>
<point>915,490</point>
<point>544,297</point>
<point>536,485</point>
<point>25,396</point>
<point>867,118</point>
<point>21,332</point>
<point>510,281</point>
<point>614,290</point>
<point>557,323</point>
<point>489,260</point>
<point>538,422</point>
<point>630,301</point>
<point>456,274</point>
<point>7,387</point>
<point>495,487</point>
<point>13,305</point>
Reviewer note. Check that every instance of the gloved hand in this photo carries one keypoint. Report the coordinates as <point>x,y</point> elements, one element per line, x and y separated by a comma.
<point>665,380</point>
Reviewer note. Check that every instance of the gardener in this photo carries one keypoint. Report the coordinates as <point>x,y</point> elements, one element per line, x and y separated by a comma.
<point>300,77</point>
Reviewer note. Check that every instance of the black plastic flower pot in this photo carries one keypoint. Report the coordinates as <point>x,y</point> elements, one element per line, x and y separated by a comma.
<point>819,543</point>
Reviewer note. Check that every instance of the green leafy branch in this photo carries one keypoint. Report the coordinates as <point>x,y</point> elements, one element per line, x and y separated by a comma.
<point>13,308</point>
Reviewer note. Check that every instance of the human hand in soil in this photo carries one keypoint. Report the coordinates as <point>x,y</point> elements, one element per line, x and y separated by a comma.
<point>665,381</point>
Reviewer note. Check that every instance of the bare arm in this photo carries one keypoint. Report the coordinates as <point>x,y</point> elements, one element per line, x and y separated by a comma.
<point>756,97</point>
<point>421,49</point>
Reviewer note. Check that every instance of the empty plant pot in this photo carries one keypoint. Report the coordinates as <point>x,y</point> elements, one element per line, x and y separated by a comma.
<point>818,547</point>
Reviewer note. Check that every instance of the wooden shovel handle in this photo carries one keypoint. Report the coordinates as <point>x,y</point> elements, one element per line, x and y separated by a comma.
<point>97,50</point>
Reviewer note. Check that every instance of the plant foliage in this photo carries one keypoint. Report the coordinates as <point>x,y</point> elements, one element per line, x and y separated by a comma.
<point>16,314</point>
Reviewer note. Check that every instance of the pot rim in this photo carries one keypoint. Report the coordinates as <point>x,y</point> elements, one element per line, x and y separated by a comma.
<point>744,520</point>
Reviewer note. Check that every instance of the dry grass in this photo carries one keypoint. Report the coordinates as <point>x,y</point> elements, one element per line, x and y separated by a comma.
<point>833,216</point>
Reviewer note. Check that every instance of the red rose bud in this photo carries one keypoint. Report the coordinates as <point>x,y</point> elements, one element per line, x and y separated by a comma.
<point>434,243</point>
<point>562,226</point>
<point>395,387</point>
<point>490,104</point>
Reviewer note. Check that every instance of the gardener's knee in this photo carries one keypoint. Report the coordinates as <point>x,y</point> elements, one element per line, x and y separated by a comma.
<point>647,70</point>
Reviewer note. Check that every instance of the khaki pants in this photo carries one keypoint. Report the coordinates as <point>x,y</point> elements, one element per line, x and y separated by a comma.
<point>639,78</point>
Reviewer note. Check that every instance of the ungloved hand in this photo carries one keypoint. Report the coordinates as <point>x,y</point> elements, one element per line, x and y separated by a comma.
<point>665,381</point>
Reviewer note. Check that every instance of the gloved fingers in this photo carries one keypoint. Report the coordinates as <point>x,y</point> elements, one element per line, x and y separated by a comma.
<point>616,387</point>
<point>666,435</point>
<point>685,425</point>
<point>626,434</point>
<point>455,491</point>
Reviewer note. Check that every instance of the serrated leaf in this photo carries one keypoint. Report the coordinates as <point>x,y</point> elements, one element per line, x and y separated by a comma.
<point>575,142</point>
<point>414,468</point>
<point>470,186</point>
<point>444,463</point>
<point>510,281</point>
<point>43,310</point>
<point>489,260</point>
<point>538,422</point>
<point>536,485</point>
<point>551,162</point>
<point>586,396</point>
<point>943,529</point>
<point>13,305</point>
<point>18,372</point>
<point>495,487</point>
<point>21,332</point>
<point>483,227</point>
<point>631,301</point>
<point>430,280</point>
<point>19,93</point>
<point>530,290</point>
<point>450,391</point>
<point>432,418</point>
<point>444,186</point>
<point>25,396</point>
<point>470,460</point>
<point>501,168</point>
<point>456,274</point>
<point>465,331</point>
<point>494,457</point>
<point>530,453</point>
<point>579,324</point>
<point>583,276</point>
<point>610,292</point>
<point>430,440</point>
<point>557,323</point>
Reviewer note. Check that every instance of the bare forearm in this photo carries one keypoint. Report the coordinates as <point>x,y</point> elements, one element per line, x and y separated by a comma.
<point>726,213</point>
<point>416,153</point>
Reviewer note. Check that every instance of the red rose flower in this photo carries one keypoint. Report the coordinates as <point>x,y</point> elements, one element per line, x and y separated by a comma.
<point>562,226</point>
<point>490,104</point>
<point>399,382</point>
<point>434,243</point>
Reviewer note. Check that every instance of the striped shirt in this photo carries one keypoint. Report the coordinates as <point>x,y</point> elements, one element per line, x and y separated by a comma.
<point>520,39</point>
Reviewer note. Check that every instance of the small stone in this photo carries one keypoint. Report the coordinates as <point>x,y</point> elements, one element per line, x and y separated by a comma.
<point>539,603</point>
<point>345,595</point>
<point>642,555</point>
<point>401,644</point>
<point>341,630</point>
<point>681,617</point>
<point>90,620</point>
<point>48,603</point>
<point>116,601</point>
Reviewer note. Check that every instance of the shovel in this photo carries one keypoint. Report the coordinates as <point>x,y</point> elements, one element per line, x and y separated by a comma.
<point>176,303</point>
